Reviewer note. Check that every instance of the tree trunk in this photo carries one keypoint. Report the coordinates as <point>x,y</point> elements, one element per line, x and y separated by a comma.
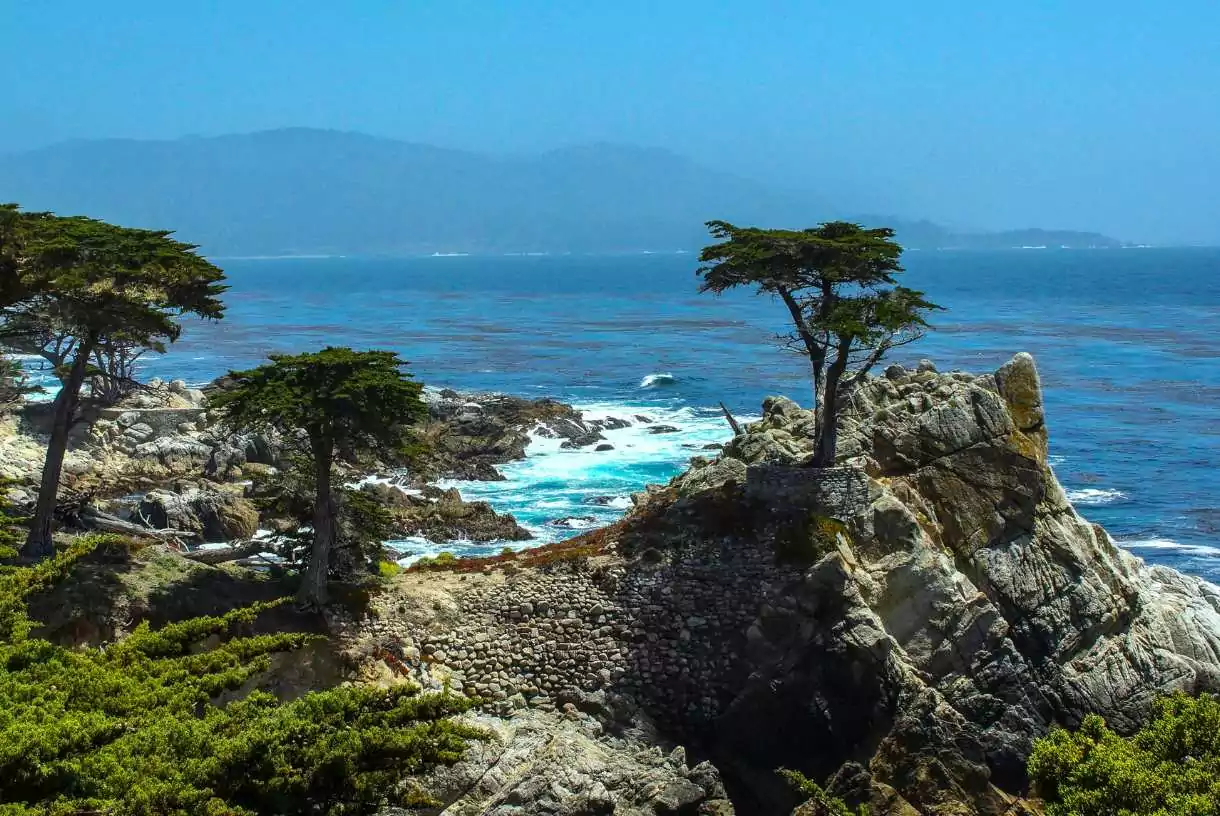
<point>828,430</point>
<point>732,422</point>
<point>38,543</point>
<point>813,350</point>
<point>219,556</point>
<point>313,583</point>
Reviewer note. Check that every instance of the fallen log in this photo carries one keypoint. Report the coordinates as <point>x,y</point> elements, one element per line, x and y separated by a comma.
<point>732,422</point>
<point>221,555</point>
<point>104,522</point>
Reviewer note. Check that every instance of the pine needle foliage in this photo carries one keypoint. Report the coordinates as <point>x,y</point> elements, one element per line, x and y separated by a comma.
<point>340,400</point>
<point>11,531</point>
<point>136,727</point>
<point>1170,767</point>
<point>813,793</point>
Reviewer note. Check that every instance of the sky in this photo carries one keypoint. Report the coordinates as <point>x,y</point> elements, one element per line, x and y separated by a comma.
<point>1072,114</point>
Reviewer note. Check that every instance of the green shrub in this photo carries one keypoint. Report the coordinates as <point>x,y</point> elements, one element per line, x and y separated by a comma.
<point>811,791</point>
<point>441,559</point>
<point>11,532</point>
<point>1171,767</point>
<point>388,569</point>
<point>136,728</point>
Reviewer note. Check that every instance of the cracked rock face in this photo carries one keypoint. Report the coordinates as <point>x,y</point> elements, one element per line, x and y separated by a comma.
<point>565,765</point>
<point>970,610</point>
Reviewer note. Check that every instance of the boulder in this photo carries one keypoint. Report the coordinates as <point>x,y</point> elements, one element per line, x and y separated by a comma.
<point>540,762</point>
<point>215,516</point>
<point>443,515</point>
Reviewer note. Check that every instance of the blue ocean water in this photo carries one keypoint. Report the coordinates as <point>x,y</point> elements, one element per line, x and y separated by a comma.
<point>1127,341</point>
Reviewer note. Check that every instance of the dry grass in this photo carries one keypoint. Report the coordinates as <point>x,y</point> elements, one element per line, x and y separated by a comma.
<point>587,545</point>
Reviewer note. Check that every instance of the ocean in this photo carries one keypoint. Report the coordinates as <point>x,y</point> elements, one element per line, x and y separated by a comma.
<point>1127,342</point>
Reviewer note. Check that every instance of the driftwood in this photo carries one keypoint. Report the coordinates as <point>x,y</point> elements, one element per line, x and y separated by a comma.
<point>732,422</point>
<point>221,555</point>
<point>97,520</point>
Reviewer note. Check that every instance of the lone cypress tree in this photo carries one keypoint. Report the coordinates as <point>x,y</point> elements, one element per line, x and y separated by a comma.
<point>341,400</point>
<point>837,282</point>
<point>78,285</point>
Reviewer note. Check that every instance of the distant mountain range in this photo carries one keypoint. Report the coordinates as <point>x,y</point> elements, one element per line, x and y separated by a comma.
<point>302,191</point>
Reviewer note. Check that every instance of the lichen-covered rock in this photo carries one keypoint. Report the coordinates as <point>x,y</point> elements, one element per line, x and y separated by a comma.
<point>565,765</point>
<point>968,609</point>
<point>213,515</point>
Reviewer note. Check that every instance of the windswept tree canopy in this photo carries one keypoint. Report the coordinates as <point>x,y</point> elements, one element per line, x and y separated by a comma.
<point>341,401</point>
<point>78,292</point>
<point>353,400</point>
<point>838,283</point>
<point>82,282</point>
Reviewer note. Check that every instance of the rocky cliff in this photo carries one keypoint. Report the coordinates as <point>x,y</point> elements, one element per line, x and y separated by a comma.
<point>905,624</point>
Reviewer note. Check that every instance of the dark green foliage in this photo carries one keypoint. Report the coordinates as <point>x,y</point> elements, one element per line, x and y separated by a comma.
<point>363,523</point>
<point>355,400</point>
<point>134,728</point>
<point>812,792</point>
<point>837,282</point>
<point>343,402</point>
<point>79,292</point>
<point>11,530</point>
<point>1171,767</point>
<point>13,383</point>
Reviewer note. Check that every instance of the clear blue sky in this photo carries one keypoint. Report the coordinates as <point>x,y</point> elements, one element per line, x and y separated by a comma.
<point>1076,113</point>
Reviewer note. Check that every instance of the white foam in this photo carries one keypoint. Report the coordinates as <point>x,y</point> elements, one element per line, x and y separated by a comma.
<point>386,480</point>
<point>415,548</point>
<point>661,379</point>
<point>554,482</point>
<point>1095,496</point>
<point>1168,545</point>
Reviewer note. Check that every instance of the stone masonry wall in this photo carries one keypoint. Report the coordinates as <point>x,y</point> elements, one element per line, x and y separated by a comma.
<point>669,635</point>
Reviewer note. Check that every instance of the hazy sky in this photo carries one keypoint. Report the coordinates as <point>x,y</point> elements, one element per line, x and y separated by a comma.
<point>1074,114</point>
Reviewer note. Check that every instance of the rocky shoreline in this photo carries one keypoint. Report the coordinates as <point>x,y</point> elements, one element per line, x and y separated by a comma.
<point>904,625</point>
<point>159,461</point>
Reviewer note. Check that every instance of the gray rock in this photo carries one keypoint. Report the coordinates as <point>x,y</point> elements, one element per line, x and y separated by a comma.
<point>540,762</point>
<point>966,610</point>
<point>215,516</point>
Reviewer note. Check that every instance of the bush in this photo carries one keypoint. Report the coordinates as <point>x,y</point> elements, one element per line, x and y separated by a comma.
<point>1171,767</point>
<point>14,384</point>
<point>388,569</point>
<point>11,532</point>
<point>441,559</point>
<point>135,727</point>
<point>811,791</point>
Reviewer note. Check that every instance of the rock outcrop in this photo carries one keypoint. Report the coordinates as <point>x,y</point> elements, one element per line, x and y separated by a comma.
<point>468,435</point>
<point>163,444</point>
<point>964,609</point>
<point>211,514</point>
<point>904,625</point>
<point>442,515</point>
<point>565,764</point>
